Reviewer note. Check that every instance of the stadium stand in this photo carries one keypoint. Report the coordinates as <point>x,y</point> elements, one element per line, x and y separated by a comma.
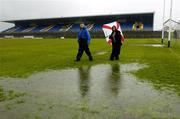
<point>69,26</point>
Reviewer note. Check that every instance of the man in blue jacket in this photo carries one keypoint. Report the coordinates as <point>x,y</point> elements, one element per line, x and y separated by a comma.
<point>84,41</point>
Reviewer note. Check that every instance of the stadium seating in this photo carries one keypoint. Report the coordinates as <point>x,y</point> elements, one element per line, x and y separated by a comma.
<point>70,27</point>
<point>21,28</point>
<point>75,28</point>
<point>47,28</point>
<point>97,27</point>
<point>29,29</point>
<point>148,27</point>
<point>128,22</point>
<point>65,28</point>
<point>10,30</point>
<point>56,28</point>
<point>38,28</point>
<point>126,26</point>
<point>90,26</point>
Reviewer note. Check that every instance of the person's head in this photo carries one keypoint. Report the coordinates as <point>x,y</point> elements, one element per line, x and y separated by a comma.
<point>82,25</point>
<point>114,28</point>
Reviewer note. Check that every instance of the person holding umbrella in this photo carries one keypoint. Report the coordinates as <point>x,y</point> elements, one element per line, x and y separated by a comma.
<point>116,43</point>
<point>83,41</point>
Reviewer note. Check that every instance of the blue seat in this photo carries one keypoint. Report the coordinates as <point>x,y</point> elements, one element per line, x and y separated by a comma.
<point>21,28</point>
<point>97,27</point>
<point>148,27</point>
<point>38,28</point>
<point>126,26</point>
<point>56,28</point>
<point>75,28</point>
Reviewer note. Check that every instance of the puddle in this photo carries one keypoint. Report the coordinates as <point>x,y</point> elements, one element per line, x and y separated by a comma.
<point>97,92</point>
<point>150,45</point>
<point>101,53</point>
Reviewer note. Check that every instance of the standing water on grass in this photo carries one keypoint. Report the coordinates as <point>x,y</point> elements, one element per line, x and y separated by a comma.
<point>97,92</point>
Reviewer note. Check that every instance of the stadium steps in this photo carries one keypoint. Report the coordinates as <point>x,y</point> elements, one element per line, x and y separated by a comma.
<point>5,31</point>
<point>55,28</point>
<point>29,29</point>
<point>38,29</point>
<point>65,28</point>
<point>46,29</point>
<point>90,26</point>
<point>11,30</point>
<point>20,29</point>
<point>69,28</point>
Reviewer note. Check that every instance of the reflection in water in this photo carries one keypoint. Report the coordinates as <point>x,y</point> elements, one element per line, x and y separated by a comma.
<point>97,92</point>
<point>114,79</point>
<point>84,80</point>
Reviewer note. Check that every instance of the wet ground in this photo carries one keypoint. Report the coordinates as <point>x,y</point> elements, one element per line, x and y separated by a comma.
<point>149,45</point>
<point>101,53</point>
<point>97,92</point>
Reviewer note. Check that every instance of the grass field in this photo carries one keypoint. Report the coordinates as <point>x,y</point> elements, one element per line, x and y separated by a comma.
<point>20,58</point>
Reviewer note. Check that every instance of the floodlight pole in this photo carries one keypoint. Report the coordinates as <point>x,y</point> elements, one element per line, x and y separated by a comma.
<point>163,21</point>
<point>170,27</point>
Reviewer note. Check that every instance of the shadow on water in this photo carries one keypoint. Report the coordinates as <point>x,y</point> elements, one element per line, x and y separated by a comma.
<point>114,79</point>
<point>97,92</point>
<point>84,80</point>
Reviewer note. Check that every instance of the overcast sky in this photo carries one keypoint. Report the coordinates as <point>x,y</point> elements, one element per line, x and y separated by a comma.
<point>33,9</point>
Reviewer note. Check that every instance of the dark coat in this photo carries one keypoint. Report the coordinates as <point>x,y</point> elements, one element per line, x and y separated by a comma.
<point>117,40</point>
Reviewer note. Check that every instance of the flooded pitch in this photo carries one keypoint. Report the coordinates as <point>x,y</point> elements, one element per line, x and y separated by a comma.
<point>97,92</point>
<point>150,45</point>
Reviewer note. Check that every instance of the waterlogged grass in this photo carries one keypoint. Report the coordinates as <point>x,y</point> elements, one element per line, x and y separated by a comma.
<point>88,92</point>
<point>9,95</point>
<point>164,66</point>
<point>21,58</point>
<point>98,92</point>
<point>2,96</point>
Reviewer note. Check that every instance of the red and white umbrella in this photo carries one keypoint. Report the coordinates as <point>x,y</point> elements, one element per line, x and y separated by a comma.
<point>107,29</point>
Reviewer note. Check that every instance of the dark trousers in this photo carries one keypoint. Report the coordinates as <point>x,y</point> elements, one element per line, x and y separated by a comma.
<point>116,49</point>
<point>83,46</point>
